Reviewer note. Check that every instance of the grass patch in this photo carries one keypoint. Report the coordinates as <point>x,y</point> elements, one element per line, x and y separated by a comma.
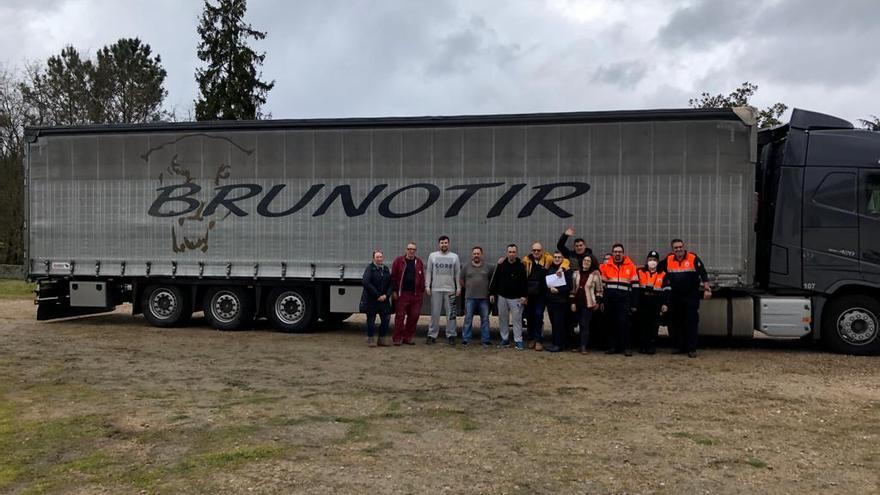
<point>467,424</point>
<point>358,428</point>
<point>90,464</point>
<point>696,438</point>
<point>16,289</point>
<point>458,417</point>
<point>226,459</point>
<point>378,448</point>
<point>32,450</point>
<point>445,413</point>
<point>755,462</point>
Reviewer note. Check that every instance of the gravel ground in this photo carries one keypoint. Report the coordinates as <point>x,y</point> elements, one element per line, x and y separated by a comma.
<point>107,404</point>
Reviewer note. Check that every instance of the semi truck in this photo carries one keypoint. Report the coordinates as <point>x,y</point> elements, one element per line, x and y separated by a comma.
<point>277,219</point>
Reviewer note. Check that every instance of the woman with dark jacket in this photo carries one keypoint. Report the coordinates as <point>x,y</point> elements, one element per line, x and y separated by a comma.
<point>557,301</point>
<point>376,298</point>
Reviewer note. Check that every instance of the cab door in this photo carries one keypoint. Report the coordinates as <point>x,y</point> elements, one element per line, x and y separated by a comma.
<point>869,224</point>
<point>831,226</point>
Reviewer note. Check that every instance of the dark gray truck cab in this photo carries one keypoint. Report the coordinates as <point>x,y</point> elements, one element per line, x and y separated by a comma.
<point>818,184</point>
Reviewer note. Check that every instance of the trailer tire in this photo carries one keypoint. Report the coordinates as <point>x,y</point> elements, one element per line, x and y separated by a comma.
<point>291,309</point>
<point>166,305</point>
<point>851,325</point>
<point>228,308</point>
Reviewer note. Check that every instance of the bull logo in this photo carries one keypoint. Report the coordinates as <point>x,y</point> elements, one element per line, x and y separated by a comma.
<point>191,228</point>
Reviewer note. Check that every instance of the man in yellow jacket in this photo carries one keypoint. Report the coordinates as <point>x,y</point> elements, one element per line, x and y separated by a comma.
<point>537,263</point>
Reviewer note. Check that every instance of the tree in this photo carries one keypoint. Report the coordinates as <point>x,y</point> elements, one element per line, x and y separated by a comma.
<point>14,115</point>
<point>739,97</point>
<point>123,85</point>
<point>128,84</point>
<point>872,123</point>
<point>230,85</point>
<point>61,92</point>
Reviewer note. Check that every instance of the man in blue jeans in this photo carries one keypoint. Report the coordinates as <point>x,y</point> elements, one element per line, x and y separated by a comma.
<point>475,277</point>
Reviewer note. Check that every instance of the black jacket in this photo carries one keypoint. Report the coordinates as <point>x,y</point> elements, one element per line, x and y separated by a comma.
<point>509,280</point>
<point>576,259</point>
<point>562,295</point>
<point>377,281</point>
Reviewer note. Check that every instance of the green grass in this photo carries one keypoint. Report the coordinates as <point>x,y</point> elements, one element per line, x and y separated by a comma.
<point>696,438</point>
<point>16,289</point>
<point>32,449</point>
<point>756,463</point>
<point>224,459</point>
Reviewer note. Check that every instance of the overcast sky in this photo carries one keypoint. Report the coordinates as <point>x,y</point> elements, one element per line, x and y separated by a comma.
<point>334,58</point>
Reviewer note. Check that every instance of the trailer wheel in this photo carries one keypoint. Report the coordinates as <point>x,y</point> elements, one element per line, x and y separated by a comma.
<point>166,305</point>
<point>852,325</point>
<point>291,309</point>
<point>228,308</point>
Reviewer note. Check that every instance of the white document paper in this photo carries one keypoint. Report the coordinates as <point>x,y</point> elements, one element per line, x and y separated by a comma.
<point>555,281</point>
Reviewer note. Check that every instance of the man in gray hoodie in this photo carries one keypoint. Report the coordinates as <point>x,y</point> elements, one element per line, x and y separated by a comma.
<point>441,284</point>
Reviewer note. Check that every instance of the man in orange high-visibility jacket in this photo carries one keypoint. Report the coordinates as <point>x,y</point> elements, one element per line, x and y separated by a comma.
<point>619,278</point>
<point>652,296</point>
<point>688,281</point>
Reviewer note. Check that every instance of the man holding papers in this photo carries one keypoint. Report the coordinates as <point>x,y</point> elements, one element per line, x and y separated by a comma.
<point>558,281</point>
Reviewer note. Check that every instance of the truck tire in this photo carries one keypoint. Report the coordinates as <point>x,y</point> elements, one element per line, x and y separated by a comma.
<point>852,325</point>
<point>166,305</point>
<point>228,308</point>
<point>291,309</point>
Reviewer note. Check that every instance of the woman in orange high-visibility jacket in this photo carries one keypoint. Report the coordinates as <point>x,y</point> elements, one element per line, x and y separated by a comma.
<point>652,296</point>
<point>619,277</point>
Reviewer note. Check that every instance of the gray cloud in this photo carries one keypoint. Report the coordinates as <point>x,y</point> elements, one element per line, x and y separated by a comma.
<point>470,48</point>
<point>706,23</point>
<point>623,74</point>
<point>415,57</point>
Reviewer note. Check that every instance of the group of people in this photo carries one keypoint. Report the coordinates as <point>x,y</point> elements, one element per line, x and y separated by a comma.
<point>628,303</point>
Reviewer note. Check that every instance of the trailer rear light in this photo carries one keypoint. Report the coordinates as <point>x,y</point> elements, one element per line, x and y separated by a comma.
<point>807,320</point>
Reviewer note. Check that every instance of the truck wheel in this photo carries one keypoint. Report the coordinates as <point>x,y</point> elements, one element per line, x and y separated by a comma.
<point>228,308</point>
<point>852,325</point>
<point>290,309</point>
<point>166,305</point>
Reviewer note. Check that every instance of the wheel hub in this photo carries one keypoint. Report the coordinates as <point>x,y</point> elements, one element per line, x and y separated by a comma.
<point>226,307</point>
<point>163,304</point>
<point>858,326</point>
<point>290,308</point>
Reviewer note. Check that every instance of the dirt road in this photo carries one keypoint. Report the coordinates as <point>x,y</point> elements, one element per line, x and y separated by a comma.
<point>109,405</point>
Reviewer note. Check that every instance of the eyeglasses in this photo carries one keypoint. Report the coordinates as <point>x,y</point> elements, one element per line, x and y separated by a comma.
<point>410,249</point>
<point>537,250</point>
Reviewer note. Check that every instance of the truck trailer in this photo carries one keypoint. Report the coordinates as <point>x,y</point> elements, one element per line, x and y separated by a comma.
<point>278,218</point>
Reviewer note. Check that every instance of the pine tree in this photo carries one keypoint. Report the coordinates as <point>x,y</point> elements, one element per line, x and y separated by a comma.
<point>128,84</point>
<point>61,92</point>
<point>124,85</point>
<point>230,85</point>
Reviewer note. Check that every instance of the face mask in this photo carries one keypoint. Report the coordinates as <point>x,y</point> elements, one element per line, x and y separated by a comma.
<point>652,264</point>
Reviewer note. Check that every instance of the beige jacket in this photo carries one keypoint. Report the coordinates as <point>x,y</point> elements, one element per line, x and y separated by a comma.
<point>593,289</point>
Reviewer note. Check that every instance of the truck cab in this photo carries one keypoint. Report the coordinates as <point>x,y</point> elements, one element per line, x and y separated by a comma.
<point>818,184</point>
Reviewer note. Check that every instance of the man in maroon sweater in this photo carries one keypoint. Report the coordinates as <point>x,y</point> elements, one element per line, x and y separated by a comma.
<point>408,283</point>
